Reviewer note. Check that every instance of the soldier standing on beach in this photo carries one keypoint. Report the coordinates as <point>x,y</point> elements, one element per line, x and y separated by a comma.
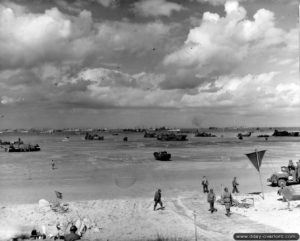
<point>285,193</point>
<point>211,198</point>
<point>205,184</point>
<point>52,165</point>
<point>227,199</point>
<point>291,166</point>
<point>234,185</point>
<point>298,169</point>
<point>157,199</point>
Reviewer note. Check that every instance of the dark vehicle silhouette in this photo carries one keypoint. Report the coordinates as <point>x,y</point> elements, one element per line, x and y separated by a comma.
<point>162,156</point>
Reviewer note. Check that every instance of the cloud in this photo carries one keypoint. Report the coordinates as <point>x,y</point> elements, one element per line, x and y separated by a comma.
<point>51,60</point>
<point>220,44</point>
<point>107,3</point>
<point>104,87</point>
<point>107,78</point>
<point>265,91</point>
<point>75,7</point>
<point>50,86</point>
<point>101,88</point>
<point>154,8</point>
<point>118,89</point>
<point>132,37</point>
<point>222,2</point>
<point>212,2</point>
<point>30,39</point>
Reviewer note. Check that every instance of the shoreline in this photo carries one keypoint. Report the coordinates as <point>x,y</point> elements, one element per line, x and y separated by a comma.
<point>134,219</point>
<point>142,182</point>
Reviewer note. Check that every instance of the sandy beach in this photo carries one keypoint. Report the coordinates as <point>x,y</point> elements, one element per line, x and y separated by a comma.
<point>134,219</point>
<point>111,185</point>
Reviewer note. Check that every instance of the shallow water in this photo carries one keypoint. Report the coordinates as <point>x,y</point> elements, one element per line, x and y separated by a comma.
<point>110,168</point>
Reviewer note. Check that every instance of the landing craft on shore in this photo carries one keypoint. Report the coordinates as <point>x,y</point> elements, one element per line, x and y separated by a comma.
<point>18,142</point>
<point>204,134</point>
<point>5,143</point>
<point>23,148</point>
<point>162,156</point>
<point>285,133</point>
<point>19,146</point>
<point>241,135</point>
<point>171,137</point>
<point>149,134</point>
<point>93,137</point>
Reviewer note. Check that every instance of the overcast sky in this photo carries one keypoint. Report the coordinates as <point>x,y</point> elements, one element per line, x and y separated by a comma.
<point>128,63</point>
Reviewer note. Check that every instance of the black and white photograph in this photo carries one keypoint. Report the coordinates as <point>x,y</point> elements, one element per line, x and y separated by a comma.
<point>149,120</point>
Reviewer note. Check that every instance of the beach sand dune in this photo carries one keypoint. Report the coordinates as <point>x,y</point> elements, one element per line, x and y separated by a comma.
<point>134,219</point>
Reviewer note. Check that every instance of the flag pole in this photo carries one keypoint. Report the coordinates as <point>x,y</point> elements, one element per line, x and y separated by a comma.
<point>259,174</point>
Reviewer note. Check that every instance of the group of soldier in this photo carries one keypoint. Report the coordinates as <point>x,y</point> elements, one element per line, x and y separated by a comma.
<point>211,197</point>
<point>294,170</point>
<point>226,196</point>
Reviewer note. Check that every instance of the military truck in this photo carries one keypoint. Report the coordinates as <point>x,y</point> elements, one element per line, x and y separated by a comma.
<point>283,177</point>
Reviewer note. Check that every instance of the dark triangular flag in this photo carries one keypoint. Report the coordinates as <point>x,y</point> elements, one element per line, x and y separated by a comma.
<point>256,158</point>
<point>58,194</point>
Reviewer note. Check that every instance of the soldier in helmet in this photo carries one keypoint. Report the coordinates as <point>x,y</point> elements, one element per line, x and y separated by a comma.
<point>157,199</point>
<point>292,169</point>
<point>291,166</point>
<point>211,198</point>
<point>72,236</point>
<point>227,199</point>
<point>298,170</point>
<point>234,185</point>
<point>205,184</point>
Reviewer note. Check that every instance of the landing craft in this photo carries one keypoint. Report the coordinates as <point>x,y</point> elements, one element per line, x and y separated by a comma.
<point>171,137</point>
<point>241,135</point>
<point>162,156</point>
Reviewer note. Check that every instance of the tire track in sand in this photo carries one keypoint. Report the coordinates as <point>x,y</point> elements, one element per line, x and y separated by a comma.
<point>187,214</point>
<point>215,226</point>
